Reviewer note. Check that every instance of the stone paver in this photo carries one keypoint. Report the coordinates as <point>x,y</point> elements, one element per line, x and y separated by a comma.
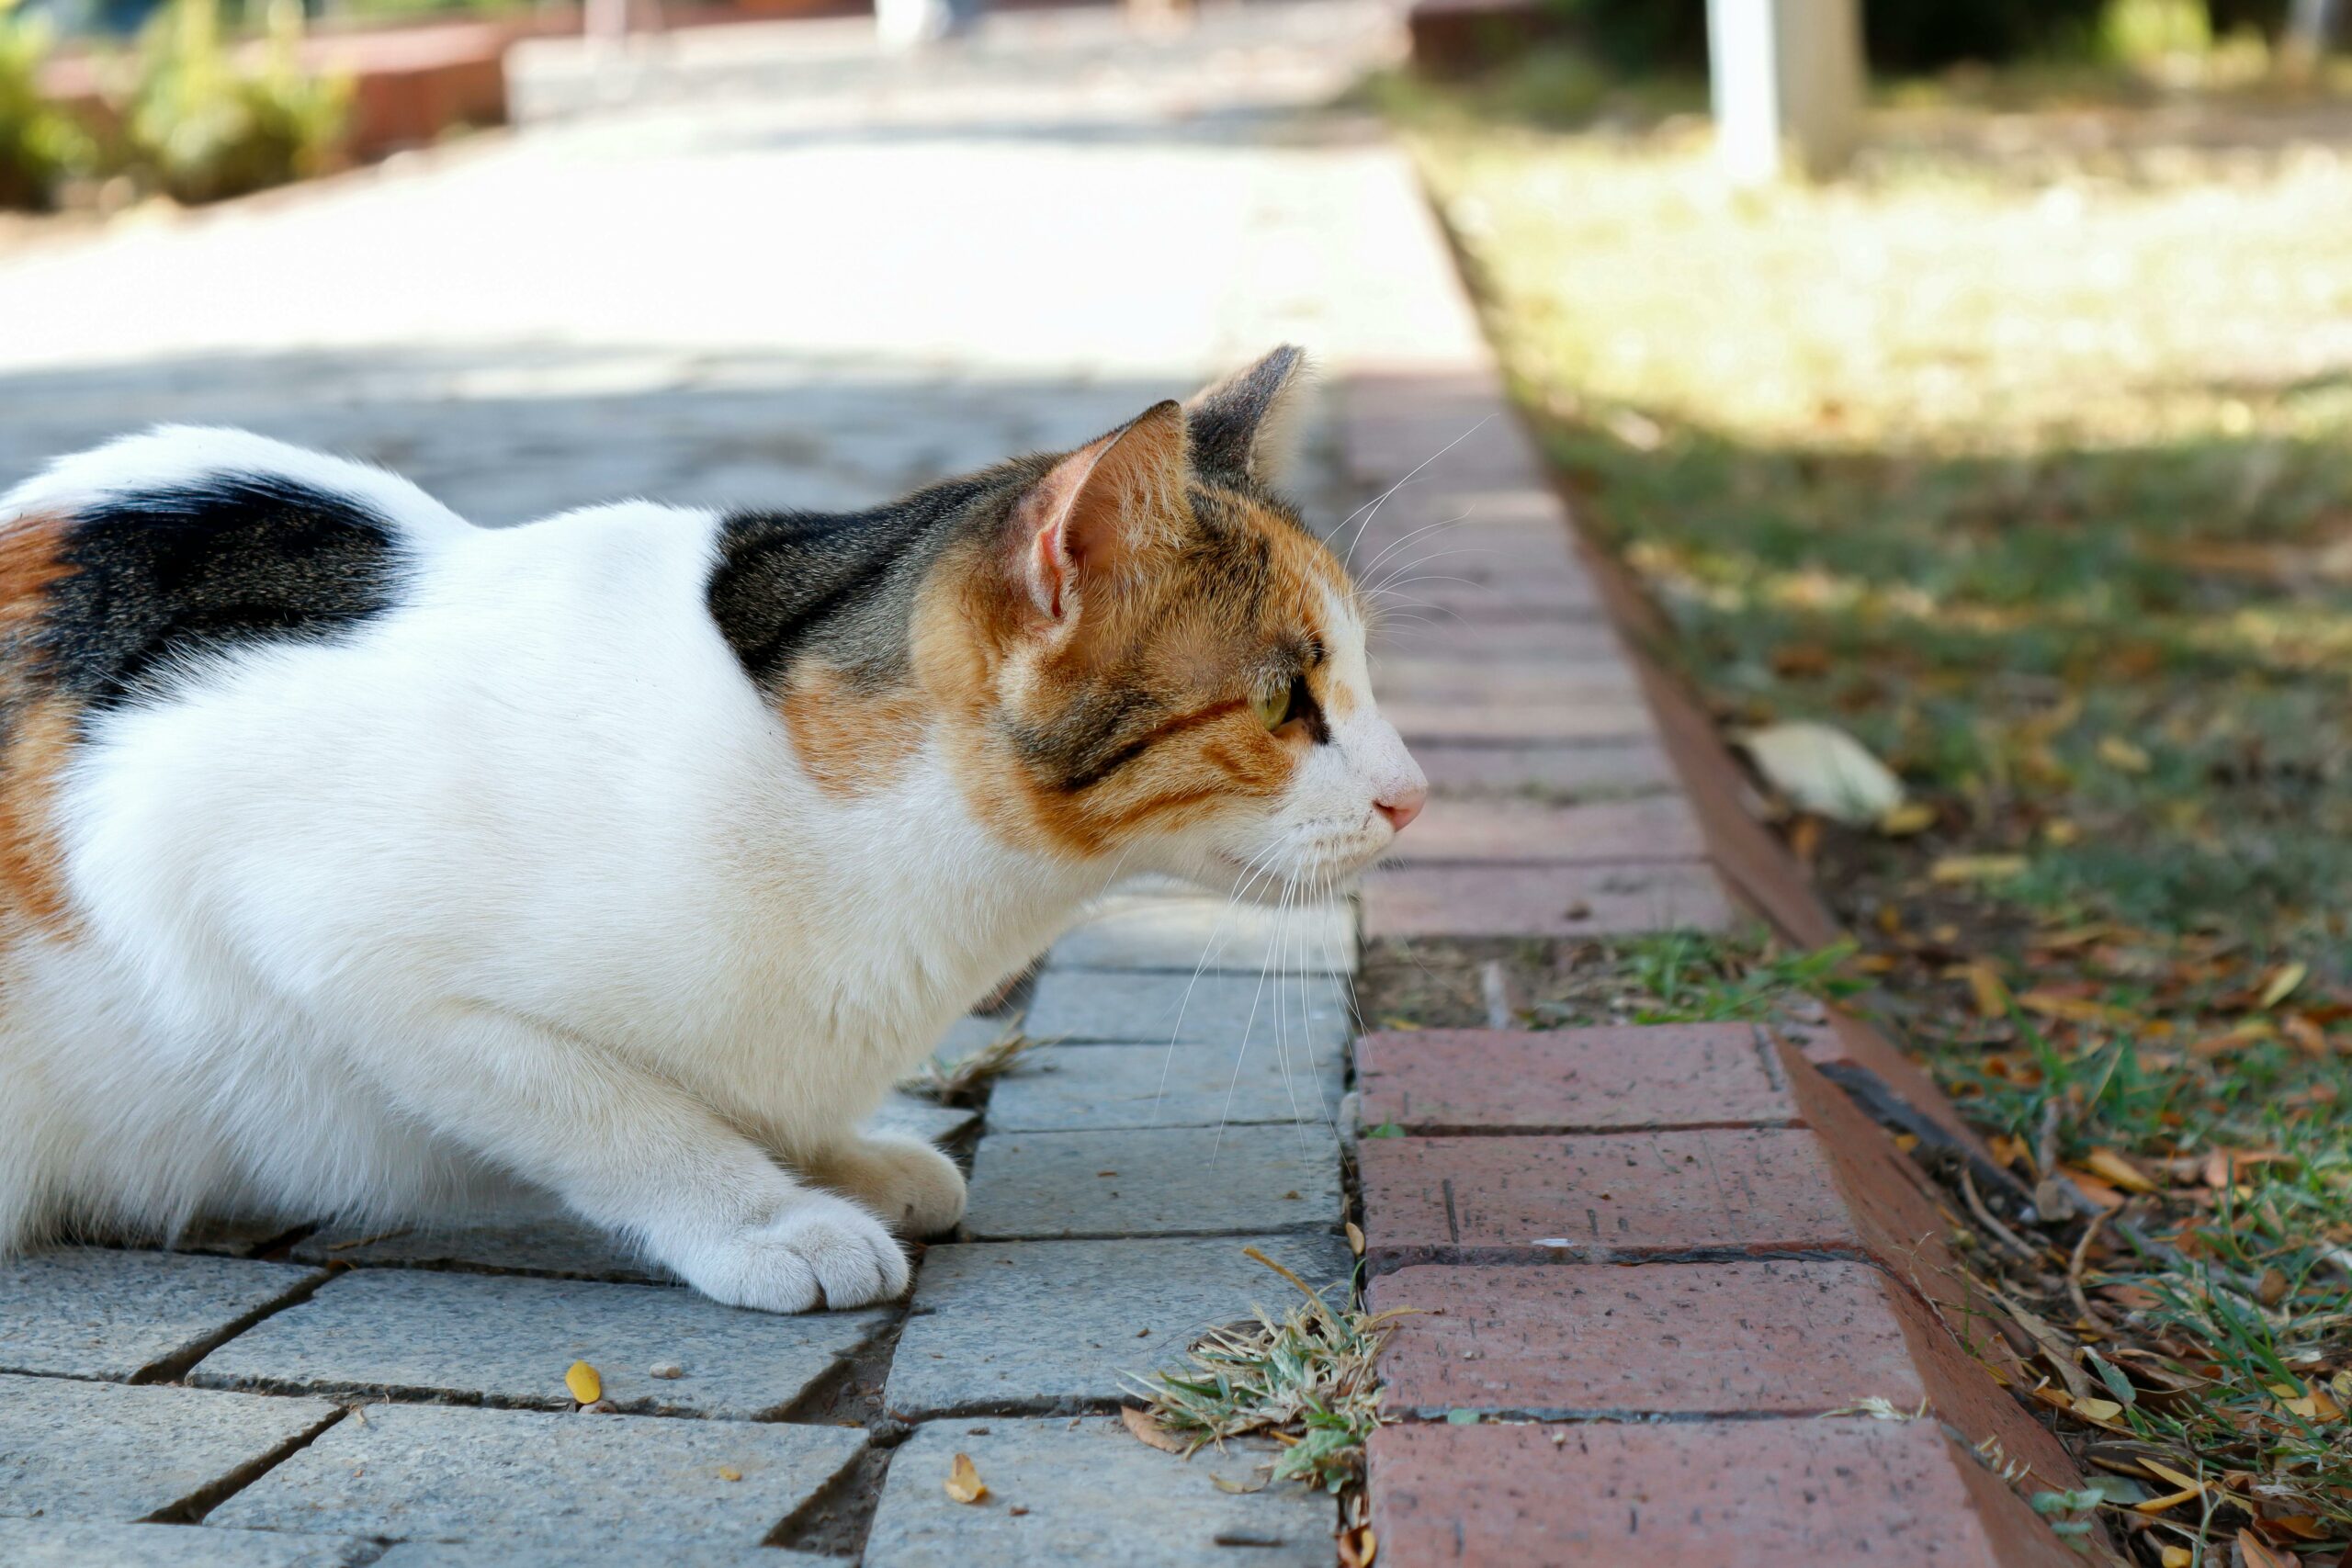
<point>94,1312</point>
<point>594,1555</point>
<point>80,1543</point>
<point>911,1116</point>
<point>1066,1325</point>
<point>529,1235</point>
<point>1074,1088</point>
<point>1711,1494</point>
<point>98,1451</point>
<point>443,1473</point>
<point>1569,1080</point>
<point>1156,1181</point>
<point>1213,934</point>
<point>1087,1492</point>
<point>412,1334</point>
<point>1085,1005</point>
<point>1542,901</point>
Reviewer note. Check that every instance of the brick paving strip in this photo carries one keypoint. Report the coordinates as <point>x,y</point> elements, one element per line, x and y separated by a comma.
<point>1665,1256</point>
<point>1652,1274</point>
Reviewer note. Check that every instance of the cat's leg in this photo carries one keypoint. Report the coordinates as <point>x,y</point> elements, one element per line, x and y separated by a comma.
<point>916,1189</point>
<point>637,1154</point>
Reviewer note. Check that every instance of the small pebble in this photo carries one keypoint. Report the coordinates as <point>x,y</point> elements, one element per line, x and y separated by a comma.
<point>667,1370</point>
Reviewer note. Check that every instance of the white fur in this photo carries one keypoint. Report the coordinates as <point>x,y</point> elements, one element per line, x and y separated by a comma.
<point>522,878</point>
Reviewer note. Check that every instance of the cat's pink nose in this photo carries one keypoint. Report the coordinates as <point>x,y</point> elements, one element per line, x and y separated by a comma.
<point>1403,806</point>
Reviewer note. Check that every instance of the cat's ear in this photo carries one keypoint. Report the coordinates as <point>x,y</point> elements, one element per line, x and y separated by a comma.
<point>1088,519</point>
<point>1242,427</point>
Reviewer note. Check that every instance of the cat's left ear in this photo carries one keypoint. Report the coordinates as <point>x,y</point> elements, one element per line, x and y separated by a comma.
<point>1090,519</point>
<point>1243,429</point>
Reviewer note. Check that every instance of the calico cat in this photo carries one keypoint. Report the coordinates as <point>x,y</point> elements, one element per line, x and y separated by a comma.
<point>351,855</point>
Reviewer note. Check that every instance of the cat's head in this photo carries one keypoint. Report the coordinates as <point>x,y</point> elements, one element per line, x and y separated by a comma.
<point>1176,672</point>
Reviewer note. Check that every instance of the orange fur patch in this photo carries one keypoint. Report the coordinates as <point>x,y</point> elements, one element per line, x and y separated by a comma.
<point>1182,637</point>
<point>851,742</point>
<point>36,728</point>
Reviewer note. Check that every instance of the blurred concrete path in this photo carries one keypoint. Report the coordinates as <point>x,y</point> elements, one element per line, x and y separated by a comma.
<point>784,270</point>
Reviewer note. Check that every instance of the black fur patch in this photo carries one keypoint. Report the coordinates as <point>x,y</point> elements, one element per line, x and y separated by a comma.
<point>158,575</point>
<point>844,583</point>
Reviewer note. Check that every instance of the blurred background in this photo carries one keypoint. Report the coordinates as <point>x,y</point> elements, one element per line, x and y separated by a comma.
<point>1971,377</point>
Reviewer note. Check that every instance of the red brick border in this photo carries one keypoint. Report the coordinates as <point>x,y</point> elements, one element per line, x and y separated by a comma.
<point>1733,1307</point>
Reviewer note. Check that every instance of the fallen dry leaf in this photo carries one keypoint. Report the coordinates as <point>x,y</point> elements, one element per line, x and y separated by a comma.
<point>2179,1557</point>
<point>2257,1555</point>
<point>1992,997</point>
<point>2119,1172</point>
<point>1823,770</point>
<point>1355,1239</point>
<point>1953,869</point>
<point>1911,817</point>
<point>1148,1432</point>
<point>964,1482</point>
<point>2096,1189</point>
<point>2283,983</point>
<point>586,1386</point>
<point>2077,1010</point>
<point>2122,755</point>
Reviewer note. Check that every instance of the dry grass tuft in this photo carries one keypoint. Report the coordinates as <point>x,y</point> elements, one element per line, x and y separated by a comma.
<point>1307,1380</point>
<point>965,1080</point>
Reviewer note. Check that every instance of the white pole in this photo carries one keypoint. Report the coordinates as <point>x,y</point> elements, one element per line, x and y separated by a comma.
<point>1787,78</point>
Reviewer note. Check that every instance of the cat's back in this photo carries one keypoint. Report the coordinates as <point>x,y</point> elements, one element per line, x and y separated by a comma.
<point>120,564</point>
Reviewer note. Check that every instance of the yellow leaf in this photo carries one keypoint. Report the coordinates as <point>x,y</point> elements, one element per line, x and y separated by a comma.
<point>1147,1431</point>
<point>2178,1557</point>
<point>2098,1409</point>
<point>2165,1472</point>
<point>1355,1239</point>
<point>2259,1555</point>
<point>1911,817</point>
<point>729,1472</point>
<point>1992,997</point>
<point>1976,868</point>
<point>2076,1010</point>
<point>2317,1406</point>
<point>2172,1500</point>
<point>964,1482</point>
<point>2122,755</point>
<point>585,1386</point>
<point>2282,984</point>
<point>2119,1170</point>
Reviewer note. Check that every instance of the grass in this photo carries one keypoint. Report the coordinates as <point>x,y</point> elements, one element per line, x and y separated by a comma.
<point>1676,977</point>
<point>2025,456</point>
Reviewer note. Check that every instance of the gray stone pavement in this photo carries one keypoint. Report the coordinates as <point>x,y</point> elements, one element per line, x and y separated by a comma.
<point>778,270</point>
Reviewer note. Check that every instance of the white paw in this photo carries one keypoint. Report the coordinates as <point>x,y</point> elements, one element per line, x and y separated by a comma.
<point>821,1252</point>
<point>915,1189</point>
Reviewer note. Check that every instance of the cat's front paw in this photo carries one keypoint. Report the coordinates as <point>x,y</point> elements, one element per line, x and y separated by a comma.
<point>915,1189</point>
<point>821,1252</point>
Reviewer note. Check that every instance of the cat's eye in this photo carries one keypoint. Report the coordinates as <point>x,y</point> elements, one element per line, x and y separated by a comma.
<point>1274,705</point>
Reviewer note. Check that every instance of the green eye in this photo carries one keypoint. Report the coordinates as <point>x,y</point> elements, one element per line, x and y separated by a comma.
<point>1274,707</point>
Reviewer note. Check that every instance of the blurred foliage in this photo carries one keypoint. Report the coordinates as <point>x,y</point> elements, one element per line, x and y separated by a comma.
<point>39,144</point>
<point>202,126</point>
<point>2024,453</point>
<point>1910,36</point>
